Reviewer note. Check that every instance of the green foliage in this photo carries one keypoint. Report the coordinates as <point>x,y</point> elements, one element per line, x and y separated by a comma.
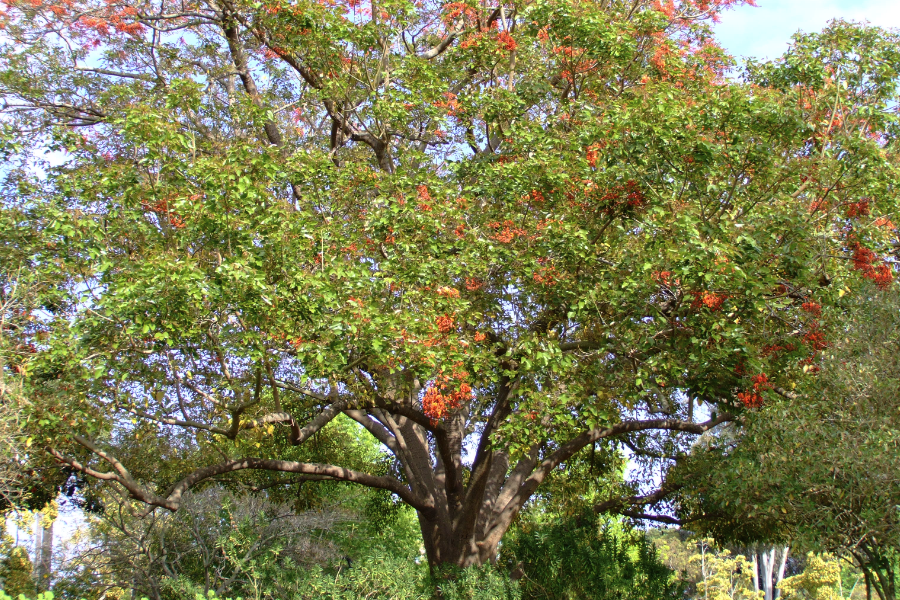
<point>41,596</point>
<point>586,557</point>
<point>16,573</point>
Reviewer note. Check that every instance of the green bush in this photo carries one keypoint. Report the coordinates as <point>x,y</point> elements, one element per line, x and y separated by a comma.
<point>586,558</point>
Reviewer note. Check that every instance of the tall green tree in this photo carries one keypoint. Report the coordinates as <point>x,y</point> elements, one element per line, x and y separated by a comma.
<point>491,234</point>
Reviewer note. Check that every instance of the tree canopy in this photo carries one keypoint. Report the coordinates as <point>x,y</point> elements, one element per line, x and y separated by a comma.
<point>492,235</point>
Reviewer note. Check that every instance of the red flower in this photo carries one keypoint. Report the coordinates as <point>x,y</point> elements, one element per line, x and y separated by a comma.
<point>506,41</point>
<point>817,205</point>
<point>813,308</point>
<point>710,300</point>
<point>816,340</point>
<point>445,324</point>
<point>858,209</point>
<point>761,382</point>
<point>750,399</point>
<point>434,404</point>
<point>863,258</point>
<point>663,277</point>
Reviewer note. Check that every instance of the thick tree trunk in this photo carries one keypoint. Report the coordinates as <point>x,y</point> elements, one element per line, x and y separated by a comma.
<point>446,545</point>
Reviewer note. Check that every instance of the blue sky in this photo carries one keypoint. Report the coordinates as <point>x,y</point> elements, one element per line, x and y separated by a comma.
<point>764,31</point>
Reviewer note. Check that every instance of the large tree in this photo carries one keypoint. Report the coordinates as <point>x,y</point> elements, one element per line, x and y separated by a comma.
<point>491,234</point>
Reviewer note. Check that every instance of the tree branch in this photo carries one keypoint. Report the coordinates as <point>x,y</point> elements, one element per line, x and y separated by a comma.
<point>512,507</point>
<point>174,495</point>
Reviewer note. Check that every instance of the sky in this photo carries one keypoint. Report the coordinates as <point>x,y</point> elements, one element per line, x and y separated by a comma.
<point>765,30</point>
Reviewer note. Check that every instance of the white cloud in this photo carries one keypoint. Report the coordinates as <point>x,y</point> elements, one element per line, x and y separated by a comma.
<point>765,31</point>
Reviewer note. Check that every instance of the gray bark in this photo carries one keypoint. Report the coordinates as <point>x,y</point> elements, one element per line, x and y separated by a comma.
<point>43,552</point>
<point>784,555</point>
<point>768,563</point>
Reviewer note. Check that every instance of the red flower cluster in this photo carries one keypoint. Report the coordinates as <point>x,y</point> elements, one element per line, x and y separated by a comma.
<point>473,283</point>
<point>817,205</point>
<point>630,193</point>
<point>815,340</point>
<point>506,41</point>
<point>161,207</point>
<point>454,10</point>
<point>450,103</point>
<point>101,26</point>
<point>592,153</point>
<point>710,300</point>
<point>663,277</point>
<point>858,209</point>
<point>436,405</point>
<point>750,399</point>
<point>445,323</point>
<point>424,197</point>
<point>508,231</point>
<point>447,292</point>
<point>863,258</point>
<point>813,308</point>
<point>753,398</point>
<point>761,382</point>
<point>437,401</point>
<point>773,349</point>
<point>546,276</point>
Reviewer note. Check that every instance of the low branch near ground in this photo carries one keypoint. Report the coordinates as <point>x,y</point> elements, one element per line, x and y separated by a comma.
<point>173,496</point>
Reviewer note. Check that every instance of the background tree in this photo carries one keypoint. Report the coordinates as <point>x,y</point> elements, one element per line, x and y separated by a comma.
<point>820,471</point>
<point>14,355</point>
<point>220,543</point>
<point>16,572</point>
<point>492,235</point>
<point>725,577</point>
<point>819,581</point>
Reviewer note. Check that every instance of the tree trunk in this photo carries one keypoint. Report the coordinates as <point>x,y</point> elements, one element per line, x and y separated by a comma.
<point>768,563</point>
<point>781,566</point>
<point>38,544</point>
<point>43,552</point>
<point>755,571</point>
<point>448,541</point>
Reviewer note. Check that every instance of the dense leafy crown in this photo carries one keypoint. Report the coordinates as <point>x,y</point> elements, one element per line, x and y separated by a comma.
<point>521,224</point>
